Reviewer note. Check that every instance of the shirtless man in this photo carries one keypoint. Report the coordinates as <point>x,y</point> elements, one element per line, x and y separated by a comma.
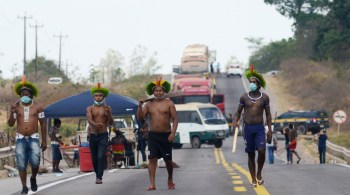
<point>55,146</point>
<point>99,117</point>
<point>254,104</point>
<point>161,134</point>
<point>27,113</point>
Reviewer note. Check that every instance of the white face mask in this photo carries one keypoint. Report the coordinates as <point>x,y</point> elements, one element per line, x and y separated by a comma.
<point>99,103</point>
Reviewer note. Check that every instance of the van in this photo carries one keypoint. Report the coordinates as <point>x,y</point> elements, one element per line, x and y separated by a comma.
<point>55,80</point>
<point>199,124</point>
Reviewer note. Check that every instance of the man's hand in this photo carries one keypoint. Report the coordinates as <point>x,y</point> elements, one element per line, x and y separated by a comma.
<point>171,137</point>
<point>141,101</point>
<point>107,110</point>
<point>236,124</point>
<point>43,146</point>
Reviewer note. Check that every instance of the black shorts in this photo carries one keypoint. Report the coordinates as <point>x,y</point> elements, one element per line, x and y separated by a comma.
<point>159,146</point>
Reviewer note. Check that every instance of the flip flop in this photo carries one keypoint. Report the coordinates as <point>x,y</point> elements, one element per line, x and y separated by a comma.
<point>171,186</point>
<point>151,188</point>
<point>260,182</point>
<point>253,185</point>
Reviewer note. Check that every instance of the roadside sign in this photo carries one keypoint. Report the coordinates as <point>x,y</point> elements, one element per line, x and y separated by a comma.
<point>339,116</point>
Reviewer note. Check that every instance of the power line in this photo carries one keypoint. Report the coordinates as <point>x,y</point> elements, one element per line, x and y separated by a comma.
<point>25,17</point>
<point>59,58</point>
<point>36,26</point>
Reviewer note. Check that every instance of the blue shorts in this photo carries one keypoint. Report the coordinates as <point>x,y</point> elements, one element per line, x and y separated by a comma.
<point>56,153</point>
<point>254,136</point>
<point>27,150</point>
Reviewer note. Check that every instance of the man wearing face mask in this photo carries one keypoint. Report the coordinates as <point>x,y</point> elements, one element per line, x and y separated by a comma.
<point>161,112</point>
<point>27,114</point>
<point>254,104</point>
<point>99,117</point>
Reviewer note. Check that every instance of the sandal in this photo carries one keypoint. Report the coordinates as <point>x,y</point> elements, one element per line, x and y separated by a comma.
<point>171,186</point>
<point>260,182</point>
<point>151,188</point>
<point>298,160</point>
<point>253,185</point>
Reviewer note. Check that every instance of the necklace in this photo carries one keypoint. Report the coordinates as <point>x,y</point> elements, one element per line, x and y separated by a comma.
<point>254,99</point>
<point>26,106</point>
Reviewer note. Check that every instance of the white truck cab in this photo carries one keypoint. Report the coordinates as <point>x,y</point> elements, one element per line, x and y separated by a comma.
<point>198,124</point>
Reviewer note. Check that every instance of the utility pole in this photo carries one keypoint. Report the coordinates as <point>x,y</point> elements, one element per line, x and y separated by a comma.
<point>36,26</point>
<point>59,58</point>
<point>67,68</point>
<point>25,17</point>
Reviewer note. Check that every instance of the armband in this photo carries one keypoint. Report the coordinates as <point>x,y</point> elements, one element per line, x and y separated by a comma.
<point>41,115</point>
<point>14,115</point>
<point>57,135</point>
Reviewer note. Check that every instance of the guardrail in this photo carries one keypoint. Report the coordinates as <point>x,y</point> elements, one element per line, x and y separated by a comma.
<point>338,151</point>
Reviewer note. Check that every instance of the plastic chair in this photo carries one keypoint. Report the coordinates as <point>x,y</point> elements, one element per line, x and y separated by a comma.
<point>118,151</point>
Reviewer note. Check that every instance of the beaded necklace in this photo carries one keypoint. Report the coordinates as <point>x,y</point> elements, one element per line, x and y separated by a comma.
<point>254,99</point>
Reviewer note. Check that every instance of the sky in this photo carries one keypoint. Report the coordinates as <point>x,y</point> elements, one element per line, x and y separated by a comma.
<point>162,26</point>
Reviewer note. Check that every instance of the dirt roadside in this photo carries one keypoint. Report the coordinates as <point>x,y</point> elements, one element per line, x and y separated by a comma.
<point>281,101</point>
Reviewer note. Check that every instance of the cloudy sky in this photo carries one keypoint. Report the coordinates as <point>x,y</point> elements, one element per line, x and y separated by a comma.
<point>164,26</point>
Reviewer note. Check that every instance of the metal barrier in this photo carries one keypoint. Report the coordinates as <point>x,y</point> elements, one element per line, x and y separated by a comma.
<point>338,151</point>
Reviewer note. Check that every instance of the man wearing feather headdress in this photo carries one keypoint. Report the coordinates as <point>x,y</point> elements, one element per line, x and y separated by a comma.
<point>27,113</point>
<point>161,111</point>
<point>254,104</point>
<point>99,116</point>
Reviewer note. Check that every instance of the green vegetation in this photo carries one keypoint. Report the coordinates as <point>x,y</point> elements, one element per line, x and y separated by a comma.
<point>342,139</point>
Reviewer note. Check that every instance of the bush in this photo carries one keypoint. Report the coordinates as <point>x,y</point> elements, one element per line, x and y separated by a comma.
<point>67,130</point>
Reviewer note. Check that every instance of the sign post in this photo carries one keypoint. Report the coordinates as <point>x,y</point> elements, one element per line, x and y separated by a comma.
<point>339,117</point>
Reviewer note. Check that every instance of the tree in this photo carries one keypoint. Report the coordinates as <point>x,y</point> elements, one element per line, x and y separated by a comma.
<point>141,63</point>
<point>109,64</point>
<point>93,74</point>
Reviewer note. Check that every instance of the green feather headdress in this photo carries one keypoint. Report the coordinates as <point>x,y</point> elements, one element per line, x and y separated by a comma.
<point>251,73</point>
<point>99,89</point>
<point>25,85</point>
<point>158,82</point>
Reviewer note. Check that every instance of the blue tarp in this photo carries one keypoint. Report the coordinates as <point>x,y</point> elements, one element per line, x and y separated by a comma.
<point>75,106</point>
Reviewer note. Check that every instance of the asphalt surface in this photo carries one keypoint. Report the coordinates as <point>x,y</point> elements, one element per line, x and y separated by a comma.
<point>204,171</point>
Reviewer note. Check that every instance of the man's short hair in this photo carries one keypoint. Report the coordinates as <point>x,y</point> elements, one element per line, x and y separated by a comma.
<point>291,126</point>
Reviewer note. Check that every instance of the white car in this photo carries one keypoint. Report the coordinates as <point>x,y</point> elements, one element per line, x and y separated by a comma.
<point>234,70</point>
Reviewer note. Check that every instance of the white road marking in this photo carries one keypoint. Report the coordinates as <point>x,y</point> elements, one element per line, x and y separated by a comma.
<point>113,170</point>
<point>58,182</point>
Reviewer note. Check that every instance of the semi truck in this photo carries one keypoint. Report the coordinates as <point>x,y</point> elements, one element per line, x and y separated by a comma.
<point>192,77</point>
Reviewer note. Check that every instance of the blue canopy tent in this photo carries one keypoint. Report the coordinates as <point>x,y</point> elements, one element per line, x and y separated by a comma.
<point>75,106</point>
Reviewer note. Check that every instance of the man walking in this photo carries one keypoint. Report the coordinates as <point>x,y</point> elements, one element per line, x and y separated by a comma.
<point>254,104</point>
<point>99,117</point>
<point>27,114</point>
<point>161,133</point>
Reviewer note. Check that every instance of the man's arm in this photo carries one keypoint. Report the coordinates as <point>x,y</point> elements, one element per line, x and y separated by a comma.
<point>11,120</point>
<point>110,117</point>
<point>173,116</point>
<point>268,117</point>
<point>239,111</point>
<point>42,122</point>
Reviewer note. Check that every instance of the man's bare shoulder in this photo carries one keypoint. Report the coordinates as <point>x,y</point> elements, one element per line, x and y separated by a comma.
<point>38,106</point>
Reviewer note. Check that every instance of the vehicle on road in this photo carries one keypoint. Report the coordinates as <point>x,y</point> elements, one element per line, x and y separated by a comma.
<point>303,121</point>
<point>234,70</point>
<point>200,124</point>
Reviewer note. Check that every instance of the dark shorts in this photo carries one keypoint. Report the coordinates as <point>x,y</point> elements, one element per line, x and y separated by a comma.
<point>159,146</point>
<point>255,137</point>
<point>56,153</point>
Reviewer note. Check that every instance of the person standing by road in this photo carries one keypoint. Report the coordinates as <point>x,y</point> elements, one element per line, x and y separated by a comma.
<point>27,114</point>
<point>286,132</point>
<point>254,104</point>
<point>218,73</point>
<point>271,148</point>
<point>229,120</point>
<point>293,144</point>
<point>99,117</point>
<point>212,69</point>
<point>161,111</point>
<point>322,138</point>
<point>55,146</point>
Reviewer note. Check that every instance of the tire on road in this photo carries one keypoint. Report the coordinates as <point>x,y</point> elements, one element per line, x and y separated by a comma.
<point>195,142</point>
<point>218,143</point>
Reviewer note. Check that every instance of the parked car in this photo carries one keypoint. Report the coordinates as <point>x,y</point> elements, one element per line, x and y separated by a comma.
<point>234,70</point>
<point>303,121</point>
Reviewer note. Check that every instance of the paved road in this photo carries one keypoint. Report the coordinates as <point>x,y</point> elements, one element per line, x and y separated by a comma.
<point>204,171</point>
